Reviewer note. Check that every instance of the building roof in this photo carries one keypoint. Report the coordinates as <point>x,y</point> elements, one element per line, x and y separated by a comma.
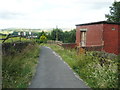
<point>100,22</point>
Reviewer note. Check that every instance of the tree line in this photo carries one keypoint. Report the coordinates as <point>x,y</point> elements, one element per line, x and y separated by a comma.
<point>58,34</point>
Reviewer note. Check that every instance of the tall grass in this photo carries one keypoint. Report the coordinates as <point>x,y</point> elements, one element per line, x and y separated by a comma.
<point>18,68</point>
<point>96,71</point>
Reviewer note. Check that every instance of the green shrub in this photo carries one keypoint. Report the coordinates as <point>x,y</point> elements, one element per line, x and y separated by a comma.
<point>19,68</point>
<point>43,39</point>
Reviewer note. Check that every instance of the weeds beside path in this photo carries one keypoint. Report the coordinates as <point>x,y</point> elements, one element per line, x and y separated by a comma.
<point>18,64</point>
<point>88,67</point>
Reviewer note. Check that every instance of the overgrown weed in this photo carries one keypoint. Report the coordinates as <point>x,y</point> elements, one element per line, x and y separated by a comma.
<point>95,68</point>
<point>18,69</point>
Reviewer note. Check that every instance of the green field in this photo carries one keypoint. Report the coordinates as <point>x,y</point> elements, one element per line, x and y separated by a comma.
<point>14,39</point>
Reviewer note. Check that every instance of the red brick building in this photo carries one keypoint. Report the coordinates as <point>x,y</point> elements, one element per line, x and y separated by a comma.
<point>103,35</point>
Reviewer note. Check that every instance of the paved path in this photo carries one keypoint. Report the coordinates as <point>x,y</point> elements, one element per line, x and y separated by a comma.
<point>53,72</point>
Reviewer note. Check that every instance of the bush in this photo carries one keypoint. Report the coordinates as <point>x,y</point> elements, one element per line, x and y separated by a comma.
<point>18,68</point>
<point>43,39</point>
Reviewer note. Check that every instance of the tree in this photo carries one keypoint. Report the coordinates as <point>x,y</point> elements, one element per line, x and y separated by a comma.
<point>66,37</point>
<point>70,36</point>
<point>114,15</point>
<point>57,34</point>
<point>40,34</point>
<point>49,36</point>
<point>43,39</point>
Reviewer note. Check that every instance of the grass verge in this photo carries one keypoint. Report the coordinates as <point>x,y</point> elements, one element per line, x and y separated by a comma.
<point>91,68</point>
<point>19,67</point>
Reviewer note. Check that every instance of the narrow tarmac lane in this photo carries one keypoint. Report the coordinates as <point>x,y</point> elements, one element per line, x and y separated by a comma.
<point>53,72</point>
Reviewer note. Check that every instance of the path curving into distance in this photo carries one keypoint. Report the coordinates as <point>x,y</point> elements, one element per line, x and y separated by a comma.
<point>53,72</point>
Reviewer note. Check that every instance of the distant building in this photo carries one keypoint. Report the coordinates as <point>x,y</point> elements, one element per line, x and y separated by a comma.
<point>103,36</point>
<point>19,33</point>
<point>30,33</point>
<point>24,33</point>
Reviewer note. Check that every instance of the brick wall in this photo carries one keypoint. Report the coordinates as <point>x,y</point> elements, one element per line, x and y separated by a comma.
<point>100,35</point>
<point>110,37</point>
<point>69,45</point>
<point>93,34</point>
<point>119,39</point>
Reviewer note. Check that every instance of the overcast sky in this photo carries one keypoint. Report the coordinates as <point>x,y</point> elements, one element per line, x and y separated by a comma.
<point>49,13</point>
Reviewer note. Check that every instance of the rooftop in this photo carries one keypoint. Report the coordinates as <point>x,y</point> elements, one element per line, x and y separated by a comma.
<point>100,22</point>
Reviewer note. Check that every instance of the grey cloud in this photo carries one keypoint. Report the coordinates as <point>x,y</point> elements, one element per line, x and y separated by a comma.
<point>100,5</point>
<point>10,15</point>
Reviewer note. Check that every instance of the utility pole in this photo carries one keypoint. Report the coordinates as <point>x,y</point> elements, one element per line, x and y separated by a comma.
<point>56,27</point>
<point>56,33</point>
